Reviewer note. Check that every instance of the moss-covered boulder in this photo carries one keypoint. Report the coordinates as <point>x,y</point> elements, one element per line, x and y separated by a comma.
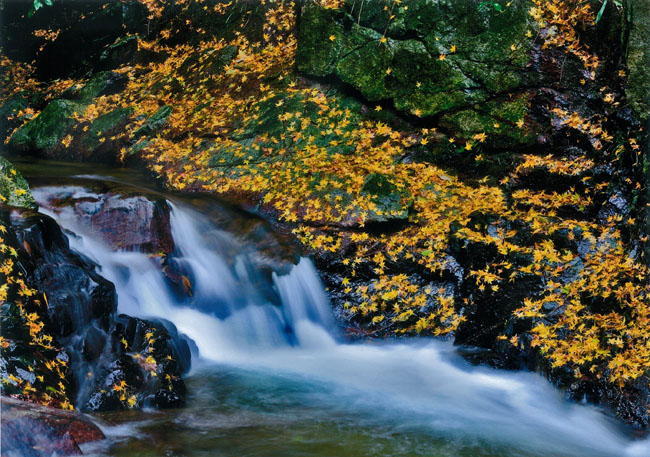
<point>14,190</point>
<point>428,59</point>
<point>639,58</point>
<point>101,83</point>
<point>56,131</point>
<point>45,132</point>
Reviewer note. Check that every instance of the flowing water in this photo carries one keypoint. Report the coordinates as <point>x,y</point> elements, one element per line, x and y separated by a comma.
<point>273,378</point>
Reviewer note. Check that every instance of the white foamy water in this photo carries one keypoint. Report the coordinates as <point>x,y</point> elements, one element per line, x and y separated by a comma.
<point>233,322</point>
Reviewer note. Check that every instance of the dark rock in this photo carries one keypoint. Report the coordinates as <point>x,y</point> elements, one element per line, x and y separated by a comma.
<point>86,28</point>
<point>104,350</point>
<point>150,359</point>
<point>77,296</point>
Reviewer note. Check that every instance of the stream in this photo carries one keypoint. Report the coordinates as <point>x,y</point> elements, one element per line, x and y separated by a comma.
<point>274,378</point>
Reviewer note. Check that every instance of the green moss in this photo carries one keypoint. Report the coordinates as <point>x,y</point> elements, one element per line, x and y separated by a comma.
<point>485,46</point>
<point>46,130</point>
<point>211,61</point>
<point>317,53</point>
<point>497,118</point>
<point>14,190</point>
<point>10,109</point>
<point>366,63</point>
<point>638,60</point>
<point>155,122</point>
<point>105,124</point>
<point>392,203</point>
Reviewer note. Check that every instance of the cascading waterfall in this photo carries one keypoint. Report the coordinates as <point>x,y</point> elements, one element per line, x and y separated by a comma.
<point>233,322</point>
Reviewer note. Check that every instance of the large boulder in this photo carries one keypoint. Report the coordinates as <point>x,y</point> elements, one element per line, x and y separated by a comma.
<point>463,62</point>
<point>56,131</point>
<point>126,218</point>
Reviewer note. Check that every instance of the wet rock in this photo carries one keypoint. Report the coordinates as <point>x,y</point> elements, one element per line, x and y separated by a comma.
<point>104,350</point>
<point>30,430</point>
<point>151,358</point>
<point>77,296</point>
<point>127,218</point>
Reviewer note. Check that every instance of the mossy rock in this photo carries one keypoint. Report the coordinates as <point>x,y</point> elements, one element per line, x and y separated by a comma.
<point>392,203</point>
<point>102,83</point>
<point>103,126</point>
<point>317,56</point>
<point>497,118</point>
<point>210,61</point>
<point>430,59</point>
<point>155,122</point>
<point>14,105</point>
<point>14,190</point>
<point>638,60</point>
<point>45,132</point>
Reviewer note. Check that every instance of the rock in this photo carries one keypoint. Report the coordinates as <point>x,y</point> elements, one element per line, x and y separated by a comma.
<point>127,218</point>
<point>14,189</point>
<point>101,83</point>
<point>15,110</point>
<point>43,134</point>
<point>147,372</point>
<point>30,430</point>
<point>103,349</point>
<point>77,295</point>
<point>85,28</point>
<point>154,123</point>
<point>400,61</point>
<point>121,52</point>
<point>391,203</point>
<point>638,59</point>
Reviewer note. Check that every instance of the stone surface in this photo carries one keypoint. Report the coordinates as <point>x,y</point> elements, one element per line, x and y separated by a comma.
<point>81,318</point>
<point>14,189</point>
<point>30,430</point>
<point>127,219</point>
<point>399,62</point>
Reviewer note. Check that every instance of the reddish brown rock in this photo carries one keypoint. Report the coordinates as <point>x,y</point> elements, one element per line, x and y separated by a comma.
<point>128,219</point>
<point>31,430</point>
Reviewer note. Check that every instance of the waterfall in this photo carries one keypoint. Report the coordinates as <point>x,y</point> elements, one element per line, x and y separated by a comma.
<point>238,315</point>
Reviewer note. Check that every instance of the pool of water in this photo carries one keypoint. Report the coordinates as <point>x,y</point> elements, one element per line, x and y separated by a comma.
<point>238,412</point>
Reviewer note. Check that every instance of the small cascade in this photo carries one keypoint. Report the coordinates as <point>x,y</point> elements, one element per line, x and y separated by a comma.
<point>240,315</point>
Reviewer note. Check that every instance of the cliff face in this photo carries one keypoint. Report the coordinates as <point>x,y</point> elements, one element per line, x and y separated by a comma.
<point>469,169</point>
